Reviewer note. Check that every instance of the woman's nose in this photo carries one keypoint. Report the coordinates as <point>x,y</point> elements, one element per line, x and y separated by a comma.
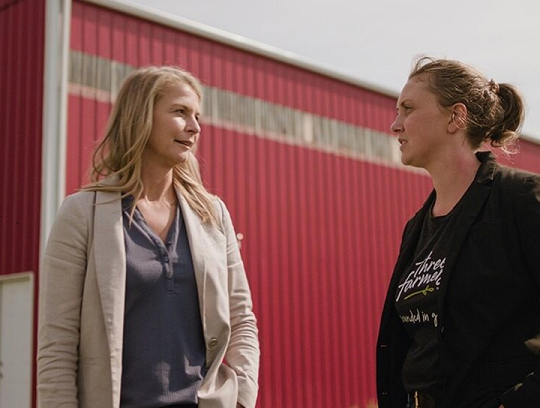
<point>193,126</point>
<point>396,126</point>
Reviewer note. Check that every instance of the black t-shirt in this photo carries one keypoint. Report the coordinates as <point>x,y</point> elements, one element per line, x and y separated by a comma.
<point>417,302</point>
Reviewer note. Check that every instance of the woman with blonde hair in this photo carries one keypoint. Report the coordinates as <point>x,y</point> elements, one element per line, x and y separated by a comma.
<point>144,301</point>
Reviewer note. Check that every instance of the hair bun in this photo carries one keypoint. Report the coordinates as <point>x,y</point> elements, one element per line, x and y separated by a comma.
<point>493,86</point>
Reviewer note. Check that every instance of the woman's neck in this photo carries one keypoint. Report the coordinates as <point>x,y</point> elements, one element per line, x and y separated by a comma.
<point>452,180</point>
<point>158,185</point>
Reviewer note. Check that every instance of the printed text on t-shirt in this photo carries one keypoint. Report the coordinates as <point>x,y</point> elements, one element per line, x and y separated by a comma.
<point>425,278</point>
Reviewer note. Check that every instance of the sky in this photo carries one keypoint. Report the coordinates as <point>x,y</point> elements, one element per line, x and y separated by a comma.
<point>376,41</point>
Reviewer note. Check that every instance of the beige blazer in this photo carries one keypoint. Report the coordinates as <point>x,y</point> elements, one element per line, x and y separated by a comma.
<point>81,308</point>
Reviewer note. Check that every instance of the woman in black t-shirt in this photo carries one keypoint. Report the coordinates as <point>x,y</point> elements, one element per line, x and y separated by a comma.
<point>461,322</point>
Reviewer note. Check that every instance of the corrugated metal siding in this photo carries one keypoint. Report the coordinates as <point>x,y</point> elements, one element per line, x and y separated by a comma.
<point>21,85</point>
<point>321,224</point>
<point>136,42</point>
<point>321,234</point>
<point>21,68</point>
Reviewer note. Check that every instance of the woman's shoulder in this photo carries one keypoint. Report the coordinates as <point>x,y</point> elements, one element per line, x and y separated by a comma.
<point>514,179</point>
<point>92,196</point>
<point>223,215</point>
<point>84,201</point>
<point>220,208</point>
<point>80,198</point>
<point>80,202</point>
<point>81,195</point>
<point>219,204</point>
<point>517,188</point>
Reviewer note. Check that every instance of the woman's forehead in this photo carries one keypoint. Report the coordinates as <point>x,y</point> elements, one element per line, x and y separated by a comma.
<point>415,87</point>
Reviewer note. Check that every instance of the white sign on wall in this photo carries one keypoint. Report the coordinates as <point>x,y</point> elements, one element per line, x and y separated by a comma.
<point>16,335</point>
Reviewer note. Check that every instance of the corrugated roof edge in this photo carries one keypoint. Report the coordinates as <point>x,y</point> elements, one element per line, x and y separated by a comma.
<point>238,41</point>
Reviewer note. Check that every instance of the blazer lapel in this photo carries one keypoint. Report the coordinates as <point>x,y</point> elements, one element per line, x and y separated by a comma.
<point>196,236</point>
<point>473,202</point>
<point>110,261</point>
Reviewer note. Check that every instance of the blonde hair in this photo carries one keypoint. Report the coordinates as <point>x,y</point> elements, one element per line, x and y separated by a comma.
<point>118,156</point>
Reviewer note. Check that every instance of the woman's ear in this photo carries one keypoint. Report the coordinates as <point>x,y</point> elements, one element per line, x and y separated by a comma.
<point>458,118</point>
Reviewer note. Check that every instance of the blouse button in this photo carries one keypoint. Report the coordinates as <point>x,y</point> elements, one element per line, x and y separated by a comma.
<point>212,343</point>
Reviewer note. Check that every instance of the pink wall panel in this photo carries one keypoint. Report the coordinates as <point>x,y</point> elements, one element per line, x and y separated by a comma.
<point>87,119</point>
<point>77,21</point>
<point>119,28</point>
<point>104,29</point>
<point>170,47</point>
<point>90,24</point>
<point>157,34</point>
<point>74,169</point>
<point>134,43</point>
<point>21,96</point>
<point>144,44</point>
<point>321,233</point>
<point>21,62</point>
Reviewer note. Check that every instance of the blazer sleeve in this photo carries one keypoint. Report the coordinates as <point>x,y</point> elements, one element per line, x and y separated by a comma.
<point>61,283</point>
<point>243,352</point>
<point>526,210</point>
<point>527,218</point>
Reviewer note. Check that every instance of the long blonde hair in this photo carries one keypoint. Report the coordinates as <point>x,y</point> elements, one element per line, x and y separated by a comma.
<point>117,158</point>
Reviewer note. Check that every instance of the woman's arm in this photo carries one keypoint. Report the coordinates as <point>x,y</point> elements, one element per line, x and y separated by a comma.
<point>525,200</point>
<point>61,283</point>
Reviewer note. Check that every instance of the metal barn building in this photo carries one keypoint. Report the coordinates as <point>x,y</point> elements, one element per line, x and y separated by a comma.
<point>302,156</point>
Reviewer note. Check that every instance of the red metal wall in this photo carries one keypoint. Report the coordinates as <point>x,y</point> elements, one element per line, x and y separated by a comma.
<point>321,230</point>
<point>321,235</point>
<point>21,93</point>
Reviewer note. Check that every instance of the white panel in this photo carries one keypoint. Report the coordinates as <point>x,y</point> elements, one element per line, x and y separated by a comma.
<point>16,304</point>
